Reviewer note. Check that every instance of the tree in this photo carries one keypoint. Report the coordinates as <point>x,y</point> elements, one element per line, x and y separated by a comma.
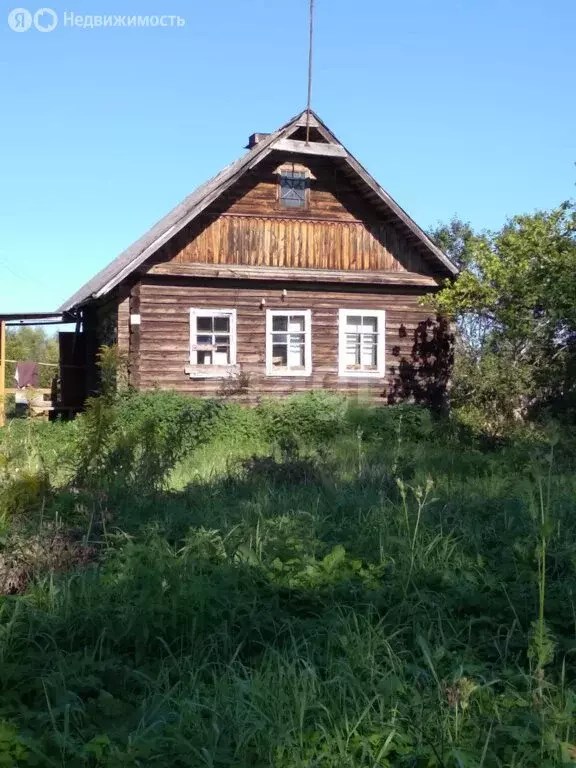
<point>29,343</point>
<point>515,306</point>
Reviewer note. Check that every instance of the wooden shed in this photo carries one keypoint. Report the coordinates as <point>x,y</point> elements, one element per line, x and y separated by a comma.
<point>290,270</point>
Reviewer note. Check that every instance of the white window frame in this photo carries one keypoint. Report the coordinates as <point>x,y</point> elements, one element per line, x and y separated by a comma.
<point>286,372</point>
<point>211,371</point>
<point>380,315</point>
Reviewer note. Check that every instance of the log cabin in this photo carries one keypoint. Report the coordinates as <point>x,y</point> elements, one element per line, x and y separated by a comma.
<point>291,270</point>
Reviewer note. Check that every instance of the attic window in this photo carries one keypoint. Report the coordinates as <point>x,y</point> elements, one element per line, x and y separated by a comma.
<point>293,188</point>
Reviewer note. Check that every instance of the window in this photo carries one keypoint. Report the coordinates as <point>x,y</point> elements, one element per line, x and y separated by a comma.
<point>362,342</point>
<point>293,188</point>
<point>212,342</point>
<point>288,343</point>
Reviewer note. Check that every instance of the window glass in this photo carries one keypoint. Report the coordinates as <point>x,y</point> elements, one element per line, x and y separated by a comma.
<point>222,324</point>
<point>204,324</point>
<point>279,323</point>
<point>293,189</point>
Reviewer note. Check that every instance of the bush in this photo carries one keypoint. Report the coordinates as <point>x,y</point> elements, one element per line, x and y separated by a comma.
<point>235,425</point>
<point>136,441</point>
<point>315,417</point>
<point>397,593</point>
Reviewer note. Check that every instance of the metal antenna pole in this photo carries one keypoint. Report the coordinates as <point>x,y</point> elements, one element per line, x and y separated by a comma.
<point>310,54</point>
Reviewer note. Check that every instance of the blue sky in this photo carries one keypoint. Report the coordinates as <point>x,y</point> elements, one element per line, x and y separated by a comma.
<point>455,106</point>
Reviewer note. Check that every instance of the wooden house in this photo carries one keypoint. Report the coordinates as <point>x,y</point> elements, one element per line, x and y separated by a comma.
<point>290,270</point>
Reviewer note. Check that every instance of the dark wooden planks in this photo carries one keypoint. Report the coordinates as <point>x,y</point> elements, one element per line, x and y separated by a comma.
<point>282,273</point>
<point>255,240</point>
<point>123,333</point>
<point>134,357</point>
<point>338,230</point>
<point>163,343</point>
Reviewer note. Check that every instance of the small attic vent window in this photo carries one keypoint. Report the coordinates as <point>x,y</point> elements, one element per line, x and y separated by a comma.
<point>293,189</point>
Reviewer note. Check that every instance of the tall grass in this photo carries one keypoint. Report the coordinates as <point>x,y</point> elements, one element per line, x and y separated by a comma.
<point>302,584</point>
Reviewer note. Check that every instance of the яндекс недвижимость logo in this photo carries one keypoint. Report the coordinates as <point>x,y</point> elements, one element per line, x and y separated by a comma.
<point>46,20</point>
<point>21,20</point>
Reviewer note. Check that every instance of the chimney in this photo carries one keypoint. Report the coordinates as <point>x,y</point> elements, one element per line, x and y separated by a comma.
<point>256,138</point>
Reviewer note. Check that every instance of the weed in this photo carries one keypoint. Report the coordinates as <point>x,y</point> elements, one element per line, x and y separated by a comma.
<point>304,583</point>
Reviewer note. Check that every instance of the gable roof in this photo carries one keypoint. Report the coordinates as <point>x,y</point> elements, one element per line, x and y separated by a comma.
<point>128,261</point>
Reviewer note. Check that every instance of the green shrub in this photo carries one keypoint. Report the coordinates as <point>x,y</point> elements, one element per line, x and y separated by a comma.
<point>397,591</point>
<point>13,750</point>
<point>136,441</point>
<point>35,443</point>
<point>235,425</point>
<point>314,417</point>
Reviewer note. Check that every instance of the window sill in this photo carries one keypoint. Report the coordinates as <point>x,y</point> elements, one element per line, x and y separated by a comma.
<point>216,372</point>
<point>292,208</point>
<point>361,374</point>
<point>286,374</point>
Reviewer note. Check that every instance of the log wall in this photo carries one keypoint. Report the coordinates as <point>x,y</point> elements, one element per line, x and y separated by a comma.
<point>164,337</point>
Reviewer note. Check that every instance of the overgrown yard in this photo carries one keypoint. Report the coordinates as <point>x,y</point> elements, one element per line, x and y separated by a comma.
<point>307,583</point>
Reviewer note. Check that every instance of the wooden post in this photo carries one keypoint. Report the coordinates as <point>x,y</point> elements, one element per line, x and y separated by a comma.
<point>2,373</point>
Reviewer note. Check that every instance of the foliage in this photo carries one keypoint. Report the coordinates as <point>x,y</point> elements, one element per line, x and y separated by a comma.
<point>28,343</point>
<point>136,439</point>
<point>327,584</point>
<point>13,751</point>
<point>112,364</point>
<point>314,417</point>
<point>515,302</point>
<point>413,423</point>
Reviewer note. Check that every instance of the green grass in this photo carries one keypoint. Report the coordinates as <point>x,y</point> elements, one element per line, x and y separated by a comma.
<point>303,584</point>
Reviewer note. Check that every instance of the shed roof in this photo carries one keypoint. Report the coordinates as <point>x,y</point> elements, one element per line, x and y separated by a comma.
<point>33,318</point>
